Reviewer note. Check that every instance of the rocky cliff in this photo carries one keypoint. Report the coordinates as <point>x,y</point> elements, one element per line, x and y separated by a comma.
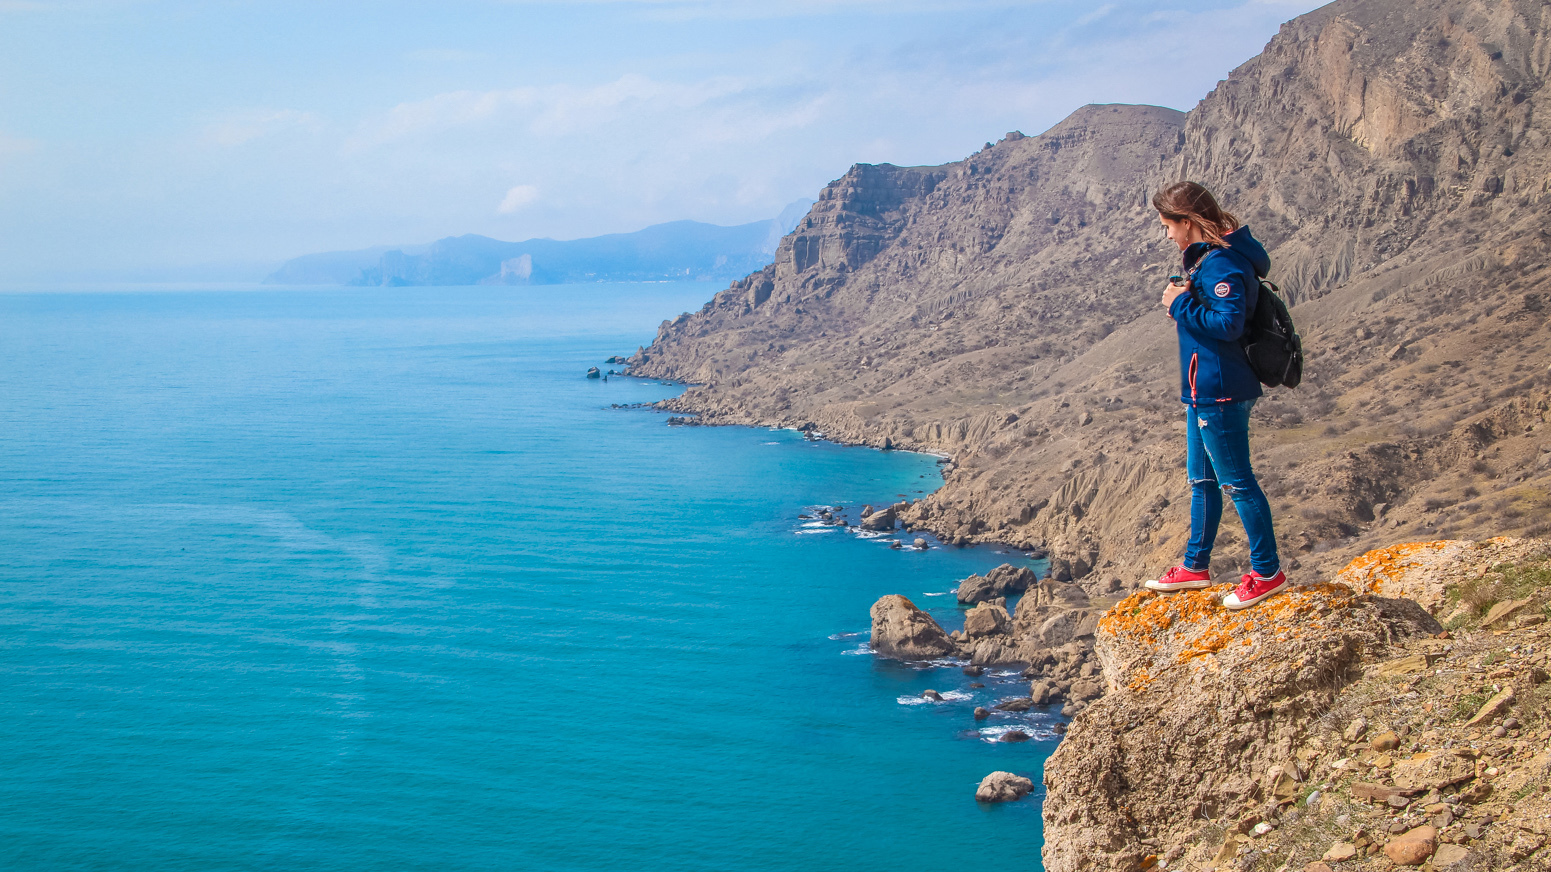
<point>1333,727</point>
<point>1003,309</point>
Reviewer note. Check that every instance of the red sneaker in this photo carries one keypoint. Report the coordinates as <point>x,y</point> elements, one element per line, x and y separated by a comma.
<point>1252,589</point>
<point>1180,578</point>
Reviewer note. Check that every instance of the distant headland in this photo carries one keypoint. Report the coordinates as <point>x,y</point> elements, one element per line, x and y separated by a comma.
<point>677,250</point>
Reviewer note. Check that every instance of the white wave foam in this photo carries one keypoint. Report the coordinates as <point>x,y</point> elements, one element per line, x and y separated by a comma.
<point>835,637</point>
<point>995,734</point>
<point>944,593</point>
<point>950,696</point>
<point>860,649</point>
<point>811,532</point>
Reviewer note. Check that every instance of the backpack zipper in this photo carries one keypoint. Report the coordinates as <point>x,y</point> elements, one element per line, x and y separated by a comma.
<point>1194,360</point>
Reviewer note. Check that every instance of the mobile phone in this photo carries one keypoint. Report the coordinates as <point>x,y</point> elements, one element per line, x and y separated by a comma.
<point>1177,280</point>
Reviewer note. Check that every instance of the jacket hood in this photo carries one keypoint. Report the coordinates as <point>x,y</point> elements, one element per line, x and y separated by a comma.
<point>1244,244</point>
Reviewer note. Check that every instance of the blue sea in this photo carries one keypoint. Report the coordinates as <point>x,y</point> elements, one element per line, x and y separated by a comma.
<point>375,579</point>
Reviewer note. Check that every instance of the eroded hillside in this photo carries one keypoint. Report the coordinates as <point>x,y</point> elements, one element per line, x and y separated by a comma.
<point>1003,309</point>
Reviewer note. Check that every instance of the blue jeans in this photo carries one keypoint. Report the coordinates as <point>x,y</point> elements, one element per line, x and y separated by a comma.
<point>1217,461</point>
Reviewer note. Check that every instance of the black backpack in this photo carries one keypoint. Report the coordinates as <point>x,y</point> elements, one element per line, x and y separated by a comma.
<point>1271,342</point>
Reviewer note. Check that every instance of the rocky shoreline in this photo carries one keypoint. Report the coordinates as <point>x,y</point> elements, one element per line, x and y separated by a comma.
<point>1339,726</point>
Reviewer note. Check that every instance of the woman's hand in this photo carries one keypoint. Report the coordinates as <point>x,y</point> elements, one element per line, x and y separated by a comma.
<point>1172,293</point>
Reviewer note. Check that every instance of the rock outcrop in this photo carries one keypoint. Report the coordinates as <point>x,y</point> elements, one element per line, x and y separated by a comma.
<point>1330,724</point>
<point>1396,159</point>
<point>904,632</point>
<point>1001,581</point>
<point>1003,787</point>
<point>1204,712</point>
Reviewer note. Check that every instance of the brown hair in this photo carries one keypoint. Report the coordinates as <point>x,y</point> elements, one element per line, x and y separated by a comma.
<point>1188,201</point>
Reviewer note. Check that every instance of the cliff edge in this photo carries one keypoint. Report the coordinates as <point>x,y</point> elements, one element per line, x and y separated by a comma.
<point>1332,724</point>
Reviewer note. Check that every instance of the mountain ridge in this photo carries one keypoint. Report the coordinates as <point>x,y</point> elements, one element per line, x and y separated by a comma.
<point>674,250</point>
<point>1003,309</point>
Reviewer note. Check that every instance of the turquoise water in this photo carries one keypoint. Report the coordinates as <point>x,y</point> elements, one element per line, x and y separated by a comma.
<point>374,579</point>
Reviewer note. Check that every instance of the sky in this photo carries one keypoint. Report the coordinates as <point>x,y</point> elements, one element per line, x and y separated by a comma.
<point>144,140</point>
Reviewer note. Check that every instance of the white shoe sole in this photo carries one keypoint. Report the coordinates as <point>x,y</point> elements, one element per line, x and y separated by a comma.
<point>1232,601</point>
<point>1184,585</point>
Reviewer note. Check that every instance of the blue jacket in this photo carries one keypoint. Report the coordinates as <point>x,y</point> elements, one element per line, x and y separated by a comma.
<point>1224,284</point>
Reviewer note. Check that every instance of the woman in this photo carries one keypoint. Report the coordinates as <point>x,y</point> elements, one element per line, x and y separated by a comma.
<point>1210,305</point>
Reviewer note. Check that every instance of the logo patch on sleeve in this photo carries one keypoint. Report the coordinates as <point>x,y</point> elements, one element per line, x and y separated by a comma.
<point>1223,289</point>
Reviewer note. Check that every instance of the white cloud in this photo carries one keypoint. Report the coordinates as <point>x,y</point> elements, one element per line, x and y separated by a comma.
<point>242,127</point>
<point>517,198</point>
<point>552,110</point>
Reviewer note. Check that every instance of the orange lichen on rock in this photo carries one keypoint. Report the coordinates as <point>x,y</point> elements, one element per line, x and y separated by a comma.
<point>1144,615</point>
<point>1199,625</point>
<point>1383,565</point>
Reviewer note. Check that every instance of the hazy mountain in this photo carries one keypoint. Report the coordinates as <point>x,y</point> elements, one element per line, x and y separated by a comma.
<point>676,250</point>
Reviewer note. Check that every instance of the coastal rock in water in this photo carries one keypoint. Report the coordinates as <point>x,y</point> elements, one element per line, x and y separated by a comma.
<point>592,372</point>
<point>920,544</point>
<point>1236,692</point>
<point>981,713</point>
<point>1003,787</point>
<point>1001,581</point>
<point>880,521</point>
<point>1014,736</point>
<point>986,620</point>
<point>904,632</point>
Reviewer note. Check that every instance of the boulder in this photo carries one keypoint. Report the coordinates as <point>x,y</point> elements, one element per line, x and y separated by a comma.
<point>932,695</point>
<point>1413,848</point>
<point>1003,787</point>
<point>1001,581</point>
<point>981,713</point>
<point>920,544</point>
<point>1014,736</point>
<point>1448,855</point>
<point>986,620</point>
<point>1495,707</point>
<point>1021,704</point>
<point>1050,594</point>
<point>1388,740</point>
<point>880,521</point>
<point>1085,690</point>
<point>592,372</point>
<point>1066,626</point>
<point>904,632</point>
<point>1340,852</point>
<point>1504,610</point>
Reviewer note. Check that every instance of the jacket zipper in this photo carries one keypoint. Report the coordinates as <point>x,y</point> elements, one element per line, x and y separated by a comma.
<point>1194,360</point>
